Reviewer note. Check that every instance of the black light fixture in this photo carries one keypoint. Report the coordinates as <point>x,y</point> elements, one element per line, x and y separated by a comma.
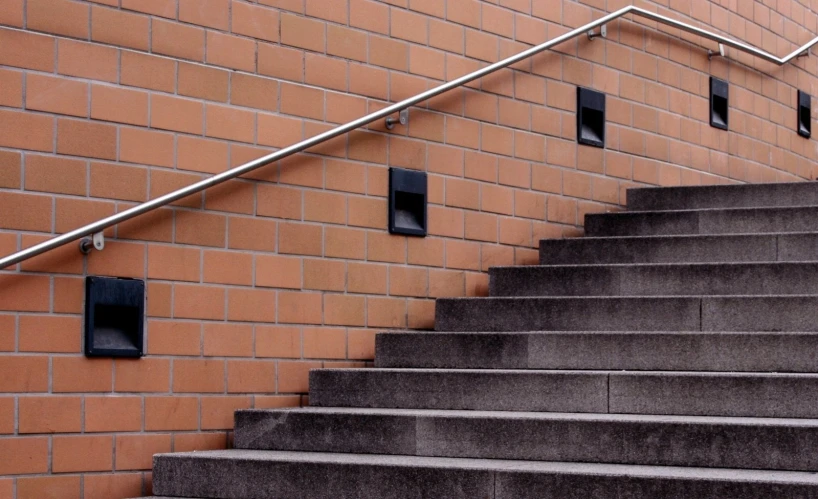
<point>804,114</point>
<point>590,117</point>
<point>718,103</point>
<point>114,312</point>
<point>407,202</point>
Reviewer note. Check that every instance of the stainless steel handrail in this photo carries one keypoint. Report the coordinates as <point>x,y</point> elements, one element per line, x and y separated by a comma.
<point>153,204</point>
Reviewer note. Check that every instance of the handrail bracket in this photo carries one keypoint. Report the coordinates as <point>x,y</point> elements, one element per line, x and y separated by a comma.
<point>603,32</point>
<point>97,242</point>
<point>720,53</point>
<point>403,119</point>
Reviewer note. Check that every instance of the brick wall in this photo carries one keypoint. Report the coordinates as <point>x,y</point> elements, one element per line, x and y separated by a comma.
<point>253,283</point>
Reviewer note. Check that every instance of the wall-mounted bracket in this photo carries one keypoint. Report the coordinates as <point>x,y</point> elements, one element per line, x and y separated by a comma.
<point>403,119</point>
<point>803,54</point>
<point>603,32</point>
<point>720,53</point>
<point>97,242</point>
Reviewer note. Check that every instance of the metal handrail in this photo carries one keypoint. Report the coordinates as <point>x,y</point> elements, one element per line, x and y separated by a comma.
<point>166,199</point>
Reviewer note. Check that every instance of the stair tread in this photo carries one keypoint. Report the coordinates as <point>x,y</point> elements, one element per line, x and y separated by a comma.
<point>294,457</point>
<point>596,372</point>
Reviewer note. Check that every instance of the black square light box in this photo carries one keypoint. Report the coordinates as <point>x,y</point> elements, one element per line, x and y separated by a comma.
<point>804,114</point>
<point>590,117</point>
<point>114,312</point>
<point>407,202</point>
<point>718,103</point>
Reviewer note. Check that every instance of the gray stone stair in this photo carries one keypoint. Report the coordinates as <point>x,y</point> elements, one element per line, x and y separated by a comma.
<point>677,313</point>
<point>673,354</point>
<point>780,278</point>
<point>703,222</point>
<point>771,395</point>
<point>255,474</point>
<point>595,350</point>
<point>793,247</point>
<point>723,196</point>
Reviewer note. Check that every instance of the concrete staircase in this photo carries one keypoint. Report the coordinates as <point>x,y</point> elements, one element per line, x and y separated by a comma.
<point>671,353</point>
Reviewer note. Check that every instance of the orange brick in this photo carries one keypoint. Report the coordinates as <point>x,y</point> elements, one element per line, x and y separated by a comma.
<point>50,414</point>
<point>61,334</point>
<point>210,13</point>
<point>293,376</point>
<point>302,101</point>
<point>198,376</point>
<point>275,401</point>
<point>367,278</point>
<point>203,229</point>
<point>251,376</point>
<point>253,305</point>
<point>225,267</point>
<point>386,248</point>
<point>446,283</point>
<point>88,61</point>
<point>228,340</point>
<point>163,8</point>
<point>24,374</point>
<point>278,271</point>
<point>23,455</point>
<point>231,51</point>
<point>278,341</point>
<point>159,299</point>
<point>73,213</point>
<point>173,263</point>
<point>119,28</point>
<point>324,343</point>
<point>462,255</point>
<point>361,344</point>
<point>148,71</point>
<point>173,113</point>
<point>203,82</point>
<point>344,243</point>
<point>346,43</point>
<point>299,308</point>
<point>174,338</point>
<point>217,412</point>
<point>8,333</point>
<point>142,375</point>
<point>481,226</point>
<point>368,212</point>
<point>325,207</point>
<point>515,231</point>
<point>250,233</point>
<point>255,22</point>
<point>68,294</point>
<point>56,95</point>
<point>56,174</point>
<point>177,40</point>
<point>113,413</point>
<point>26,50</point>
<point>97,453</point>
<point>67,487</point>
<point>280,62</point>
<point>229,123</point>
<point>198,302</point>
<point>171,413</point>
<point>327,275</point>
<point>300,239</point>
<point>116,485</point>
<point>421,314</point>
<point>146,147</point>
<point>386,312</point>
<point>82,138</point>
<point>203,155</point>
<point>188,442</point>
<point>11,15</point>
<point>368,81</point>
<point>119,105</point>
<point>302,32</point>
<point>10,173</point>
<point>408,281</point>
<point>26,131</point>
<point>253,91</point>
<point>60,17</point>
<point>425,251</point>
<point>119,182</point>
<point>135,452</point>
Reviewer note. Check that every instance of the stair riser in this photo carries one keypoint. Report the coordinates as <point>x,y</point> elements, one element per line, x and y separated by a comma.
<point>562,440</point>
<point>545,392</point>
<point>682,280</point>
<point>722,196</point>
<point>187,476</point>
<point>756,221</point>
<point>672,394</point>
<point>759,352</point>
<point>768,313</point>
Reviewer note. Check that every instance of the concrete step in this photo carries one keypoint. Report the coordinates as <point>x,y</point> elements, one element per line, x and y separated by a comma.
<point>738,443</point>
<point>677,313</point>
<point>636,351</point>
<point>775,278</point>
<point>680,249</point>
<point>254,474</point>
<point>723,196</point>
<point>764,395</point>
<point>708,221</point>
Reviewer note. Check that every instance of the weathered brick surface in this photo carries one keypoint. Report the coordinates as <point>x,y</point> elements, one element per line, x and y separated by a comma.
<point>110,103</point>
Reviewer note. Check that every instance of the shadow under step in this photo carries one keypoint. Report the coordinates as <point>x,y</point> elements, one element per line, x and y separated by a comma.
<point>605,350</point>
<point>616,392</point>
<point>713,222</point>
<point>675,313</point>
<point>791,247</point>
<point>250,474</point>
<point>790,278</point>
<point>723,196</point>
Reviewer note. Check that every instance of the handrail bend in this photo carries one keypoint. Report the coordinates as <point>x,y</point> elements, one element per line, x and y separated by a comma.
<point>166,199</point>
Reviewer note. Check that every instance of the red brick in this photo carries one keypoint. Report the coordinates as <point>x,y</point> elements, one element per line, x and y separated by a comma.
<point>302,32</point>
<point>299,308</point>
<point>280,62</point>
<point>123,29</point>
<point>255,22</point>
<point>253,91</point>
<point>231,51</point>
<point>113,413</point>
<point>209,13</point>
<point>26,131</point>
<point>217,412</point>
<point>116,485</point>
<point>87,60</point>
<point>171,413</point>
<point>60,17</point>
<point>135,452</point>
<point>324,343</point>
<point>24,293</point>
<point>198,302</point>
<point>251,376</point>
<point>293,375</point>
<point>147,71</point>
<point>26,50</point>
<point>142,375</point>
<point>83,138</point>
<point>24,455</point>
<point>253,305</point>
<point>198,376</point>
<point>59,334</point>
<point>204,229</point>
<point>97,453</point>
<point>174,338</point>
<point>177,40</point>
<point>11,88</point>
<point>278,341</point>
<point>386,312</point>
<point>228,267</point>
<point>300,239</point>
<point>188,442</point>
<point>56,174</point>
<point>67,487</point>
<point>146,147</point>
<point>278,271</point>
<point>50,414</point>
<point>56,95</point>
